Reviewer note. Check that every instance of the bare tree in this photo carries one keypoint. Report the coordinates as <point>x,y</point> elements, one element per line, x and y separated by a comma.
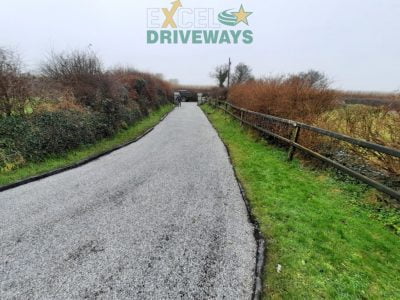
<point>13,84</point>
<point>311,78</point>
<point>220,74</point>
<point>243,73</point>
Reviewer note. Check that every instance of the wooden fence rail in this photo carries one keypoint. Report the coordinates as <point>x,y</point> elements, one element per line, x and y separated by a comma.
<point>293,142</point>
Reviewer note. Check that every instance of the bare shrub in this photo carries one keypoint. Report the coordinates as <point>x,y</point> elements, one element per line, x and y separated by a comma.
<point>301,97</point>
<point>80,71</point>
<point>13,84</point>
<point>218,93</point>
<point>142,87</point>
<point>293,97</point>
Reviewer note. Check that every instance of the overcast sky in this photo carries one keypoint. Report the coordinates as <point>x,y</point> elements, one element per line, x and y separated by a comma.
<point>355,42</point>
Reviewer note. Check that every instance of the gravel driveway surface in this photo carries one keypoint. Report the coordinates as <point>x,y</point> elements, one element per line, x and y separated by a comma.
<point>162,218</point>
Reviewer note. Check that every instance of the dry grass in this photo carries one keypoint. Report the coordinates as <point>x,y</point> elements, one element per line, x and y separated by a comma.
<point>62,104</point>
<point>379,125</point>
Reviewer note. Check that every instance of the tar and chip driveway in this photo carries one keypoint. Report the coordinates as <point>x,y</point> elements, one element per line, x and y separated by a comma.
<point>160,219</point>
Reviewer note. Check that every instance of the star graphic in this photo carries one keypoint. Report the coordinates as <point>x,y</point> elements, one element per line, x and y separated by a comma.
<point>242,15</point>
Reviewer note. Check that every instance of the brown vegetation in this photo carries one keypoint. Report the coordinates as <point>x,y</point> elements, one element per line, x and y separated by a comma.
<point>294,97</point>
<point>306,97</point>
<point>73,102</point>
<point>13,83</point>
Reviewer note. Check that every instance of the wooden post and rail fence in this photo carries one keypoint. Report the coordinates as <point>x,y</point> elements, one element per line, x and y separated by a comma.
<point>241,113</point>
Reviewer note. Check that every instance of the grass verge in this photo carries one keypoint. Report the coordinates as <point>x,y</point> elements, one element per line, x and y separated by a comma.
<point>52,163</point>
<point>324,237</point>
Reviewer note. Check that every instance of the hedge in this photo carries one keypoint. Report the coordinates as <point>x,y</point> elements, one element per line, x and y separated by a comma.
<point>34,137</point>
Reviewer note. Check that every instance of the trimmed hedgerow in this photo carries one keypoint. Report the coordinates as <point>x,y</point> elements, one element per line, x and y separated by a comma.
<point>71,103</point>
<point>35,137</point>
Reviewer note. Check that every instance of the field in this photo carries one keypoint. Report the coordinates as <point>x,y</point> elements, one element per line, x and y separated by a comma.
<point>371,99</point>
<point>326,238</point>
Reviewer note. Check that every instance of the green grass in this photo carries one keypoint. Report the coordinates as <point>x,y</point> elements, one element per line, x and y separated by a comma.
<point>53,163</point>
<point>331,242</point>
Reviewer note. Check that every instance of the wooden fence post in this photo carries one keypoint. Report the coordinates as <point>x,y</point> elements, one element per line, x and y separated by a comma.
<point>294,138</point>
<point>241,118</point>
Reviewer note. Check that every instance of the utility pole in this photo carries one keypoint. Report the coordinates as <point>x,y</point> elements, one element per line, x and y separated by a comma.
<point>229,72</point>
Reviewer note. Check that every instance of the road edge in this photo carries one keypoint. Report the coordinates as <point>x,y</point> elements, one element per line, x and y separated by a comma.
<point>79,163</point>
<point>260,240</point>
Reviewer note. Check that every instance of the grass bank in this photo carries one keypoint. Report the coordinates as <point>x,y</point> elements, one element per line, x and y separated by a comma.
<point>52,163</point>
<point>325,237</point>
